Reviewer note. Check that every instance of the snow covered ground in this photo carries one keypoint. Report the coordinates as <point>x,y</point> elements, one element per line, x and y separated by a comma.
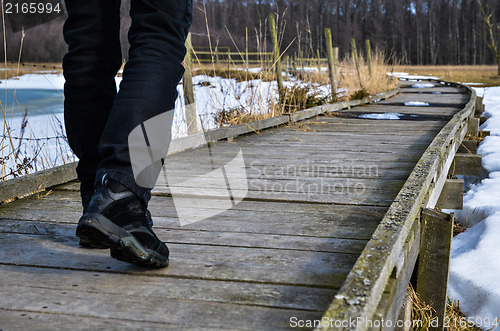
<point>475,256</point>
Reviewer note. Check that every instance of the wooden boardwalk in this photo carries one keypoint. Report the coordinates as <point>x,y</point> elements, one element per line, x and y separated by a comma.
<point>317,190</point>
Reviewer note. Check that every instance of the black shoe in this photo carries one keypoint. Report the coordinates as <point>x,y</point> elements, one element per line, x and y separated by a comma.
<point>117,219</point>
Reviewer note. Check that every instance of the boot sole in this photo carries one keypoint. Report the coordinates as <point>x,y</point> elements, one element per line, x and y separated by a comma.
<point>97,231</point>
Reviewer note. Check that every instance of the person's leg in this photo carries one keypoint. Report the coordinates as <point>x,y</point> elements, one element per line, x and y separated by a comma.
<point>117,216</point>
<point>149,86</point>
<point>92,32</point>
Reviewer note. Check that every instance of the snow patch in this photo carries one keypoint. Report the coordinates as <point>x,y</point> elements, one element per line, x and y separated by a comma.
<point>35,81</point>
<point>423,85</point>
<point>417,104</point>
<point>475,265</point>
<point>474,271</point>
<point>384,116</point>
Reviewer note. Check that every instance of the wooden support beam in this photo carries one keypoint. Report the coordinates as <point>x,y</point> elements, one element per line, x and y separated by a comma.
<point>473,128</point>
<point>405,313</point>
<point>434,261</point>
<point>452,195</point>
<point>484,134</point>
<point>479,106</point>
<point>468,147</point>
<point>466,164</point>
<point>395,293</point>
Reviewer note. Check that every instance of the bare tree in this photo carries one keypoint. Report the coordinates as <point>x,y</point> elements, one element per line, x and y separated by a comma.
<point>489,34</point>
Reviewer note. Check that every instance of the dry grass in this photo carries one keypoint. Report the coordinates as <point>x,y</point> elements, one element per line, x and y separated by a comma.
<point>422,313</point>
<point>377,83</point>
<point>349,81</point>
<point>487,75</point>
<point>455,320</point>
<point>304,95</point>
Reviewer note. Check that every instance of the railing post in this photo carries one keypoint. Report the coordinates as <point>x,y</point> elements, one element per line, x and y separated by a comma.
<point>369,56</point>
<point>434,262</point>
<point>332,63</point>
<point>356,61</point>
<point>276,51</point>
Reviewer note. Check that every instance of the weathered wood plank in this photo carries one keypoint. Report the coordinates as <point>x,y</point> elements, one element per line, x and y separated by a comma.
<point>169,314</point>
<point>248,222</point>
<point>473,129</point>
<point>212,238</point>
<point>260,295</point>
<point>36,182</point>
<point>35,320</point>
<point>286,267</point>
<point>467,164</point>
<point>468,146</point>
<point>452,196</point>
<point>434,261</point>
<point>64,201</point>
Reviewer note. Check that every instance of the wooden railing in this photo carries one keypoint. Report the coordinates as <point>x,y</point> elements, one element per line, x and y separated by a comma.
<point>373,293</point>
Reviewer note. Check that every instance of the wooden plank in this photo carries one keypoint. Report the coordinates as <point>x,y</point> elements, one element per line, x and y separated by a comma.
<point>434,260</point>
<point>484,134</point>
<point>452,196</point>
<point>283,224</point>
<point>473,129</point>
<point>443,169</point>
<point>36,182</point>
<point>467,164</point>
<point>168,314</point>
<point>404,271</point>
<point>479,106</point>
<point>458,100</point>
<point>35,320</point>
<point>392,300</point>
<point>200,290</point>
<point>406,313</point>
<point>64,201</point>
<point>285,267</point>
<point>193,141</point>
<point>468,146</point>
<point>212,238</point>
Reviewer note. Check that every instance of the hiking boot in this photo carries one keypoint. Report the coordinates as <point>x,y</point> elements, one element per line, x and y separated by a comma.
<point>117,219</point>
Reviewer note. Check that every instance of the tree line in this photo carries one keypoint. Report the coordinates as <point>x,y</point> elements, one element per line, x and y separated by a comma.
<point>409,31</point>
<point>413,32</point>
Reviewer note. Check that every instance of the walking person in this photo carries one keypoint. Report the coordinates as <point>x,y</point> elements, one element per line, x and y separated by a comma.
<point>99,119</point>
